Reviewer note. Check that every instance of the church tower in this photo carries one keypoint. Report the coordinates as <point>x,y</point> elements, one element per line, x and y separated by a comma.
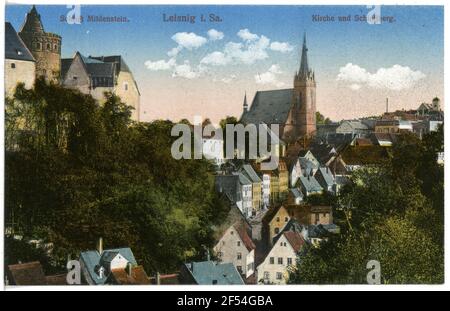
<point>304,98</point>
<point>45,47</point>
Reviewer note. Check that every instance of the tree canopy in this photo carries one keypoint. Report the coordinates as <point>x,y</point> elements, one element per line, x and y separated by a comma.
<point>77,170</point>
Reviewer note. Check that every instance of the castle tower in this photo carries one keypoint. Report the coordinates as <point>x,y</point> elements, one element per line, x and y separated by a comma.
<point>45,47</point>
<point>304,97</point>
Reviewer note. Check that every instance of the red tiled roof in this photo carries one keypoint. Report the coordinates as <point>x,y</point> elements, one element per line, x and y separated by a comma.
<point>245,238</point>
<point>295,239</point>
<point>137,277</point>
<point>30,273</point>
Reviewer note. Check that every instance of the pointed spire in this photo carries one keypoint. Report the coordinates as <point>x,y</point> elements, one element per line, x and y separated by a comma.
<point>245,102</point>
<point>304,68</point>
<point>32,22</point>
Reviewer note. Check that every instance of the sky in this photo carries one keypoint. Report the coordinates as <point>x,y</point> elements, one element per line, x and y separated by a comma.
<point>204,68</point>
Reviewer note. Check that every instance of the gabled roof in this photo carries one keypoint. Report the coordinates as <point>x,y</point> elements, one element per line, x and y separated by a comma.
<point>269,107</point>
<point>310,183</point>
<point>136,277</point>
<point>245,237</point>
<point>209,273</point>
<point>296,193</point>
<point>118,59</point>
<point>30,273</point>
<point>15,48</point>
<point>92,260</point>
<point>271,212</point>
<point>249,172</point>
<point>295,239</point>
<point>327,175</point>
<point>307,165</point>
<point>229,184</point>
<point>321,231</point>
<point>243,179</point>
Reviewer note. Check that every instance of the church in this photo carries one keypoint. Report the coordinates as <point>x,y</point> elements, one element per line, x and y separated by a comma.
<point>293,109</point>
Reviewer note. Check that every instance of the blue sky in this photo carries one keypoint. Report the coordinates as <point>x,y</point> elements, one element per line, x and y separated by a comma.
<point>413,41</point>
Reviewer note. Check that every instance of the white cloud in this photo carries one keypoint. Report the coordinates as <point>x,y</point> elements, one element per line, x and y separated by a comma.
<point>250,52</point>
<point>395,78</point>
<point>216,59</point>
<point>174,52</point>
<point>215,35</point>
<point>282,47</point>
<point>189,40</point>
<point>270,76</point>
<point>160,64</point>
<point>186,71</point>
<point>246,35</point>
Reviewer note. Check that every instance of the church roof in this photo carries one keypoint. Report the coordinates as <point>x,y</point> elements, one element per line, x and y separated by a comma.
<point>15,48</point>
<point>269,107</point>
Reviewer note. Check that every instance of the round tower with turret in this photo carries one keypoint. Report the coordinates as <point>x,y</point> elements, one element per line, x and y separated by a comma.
<point>45,46</point>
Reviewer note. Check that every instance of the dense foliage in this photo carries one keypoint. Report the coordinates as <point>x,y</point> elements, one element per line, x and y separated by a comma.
<point>77,171</point>
<point>392,213</point>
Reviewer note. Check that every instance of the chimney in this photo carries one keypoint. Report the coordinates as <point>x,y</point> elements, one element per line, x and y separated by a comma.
<point>129,269</point>
<point>158,278</point>
<point>387,105</point>
<point>100,245</point>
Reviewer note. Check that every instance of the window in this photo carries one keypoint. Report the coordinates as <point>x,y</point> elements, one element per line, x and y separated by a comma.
<point>219,254</point>
<point>324,215</point>
<point>279,275</point>
<point>286,219</point>
<point>48,46</point>
<point>231,232</point>
<point>239,256</point>
<point>214,282</point>
<point>278,219</point>
<point>223,242</point>
<point>239,268</point>
<point>19,52</point>
<point>272,260</point>
<point>317,218</point>
<point>277,230</point>
<point>13,65</point>
<point>75,78</point>
<point>125,86</point>
<point>266,275</point>
<point>238,243</point>
<point>289,261</point>
<point>280,260</point>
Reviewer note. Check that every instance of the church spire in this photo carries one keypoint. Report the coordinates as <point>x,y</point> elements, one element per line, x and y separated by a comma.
<point>245,102</point>
<point>304,68</point>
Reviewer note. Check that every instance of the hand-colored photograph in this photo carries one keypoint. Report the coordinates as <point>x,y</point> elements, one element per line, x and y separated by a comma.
<point>223,145</point>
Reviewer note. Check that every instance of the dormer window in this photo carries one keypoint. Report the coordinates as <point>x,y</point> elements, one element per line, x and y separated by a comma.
<point>19,52</point>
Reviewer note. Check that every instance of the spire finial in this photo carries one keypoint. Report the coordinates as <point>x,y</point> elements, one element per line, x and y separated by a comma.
<point>304,68</point>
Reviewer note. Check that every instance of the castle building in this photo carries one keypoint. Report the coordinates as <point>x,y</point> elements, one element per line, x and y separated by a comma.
<point>19,62</point>
<point>293,109</point>
<point>97,75</point>
<point>45,46</point>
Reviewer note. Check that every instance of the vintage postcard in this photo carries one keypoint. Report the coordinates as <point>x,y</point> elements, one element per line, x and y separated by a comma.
<point>223,145</point>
